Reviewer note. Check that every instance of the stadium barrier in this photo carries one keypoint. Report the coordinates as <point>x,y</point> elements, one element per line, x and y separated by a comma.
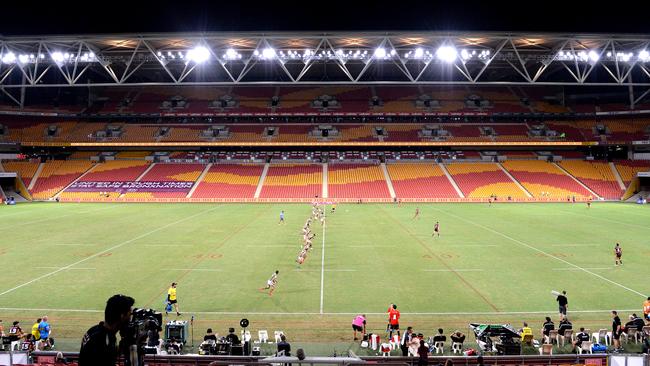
<point>47,358</point>
<point>310,200</point>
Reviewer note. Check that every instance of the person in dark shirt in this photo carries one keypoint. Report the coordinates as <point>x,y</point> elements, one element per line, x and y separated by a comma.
<point>440,337</point>
<point>635,323</point>
<point>563,303</point>
<point>99,344</point>
<point>232,337</point>
<point>580,337</point>
<point>423,352</point>
<point>617,329</point>
<point>284,346</point>
<point>209,335</point>
<point>457,337</point>
<point>547,327</point>
<point>564,325</point>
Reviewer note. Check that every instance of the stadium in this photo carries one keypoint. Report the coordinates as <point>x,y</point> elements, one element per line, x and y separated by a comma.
<point>210,160</point>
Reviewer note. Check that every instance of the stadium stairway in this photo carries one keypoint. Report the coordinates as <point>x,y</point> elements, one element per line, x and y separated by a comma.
<point>617,176</point>
<point>451,180</point>
<point>577,180</point>
<point>260,184</point>
<point>389,182</point>
<point>515,181</point>
<point>145,172</point>
<point>75,181</point>
<point>32,183</point>
<point>325,171</point>
<point>198,180</point>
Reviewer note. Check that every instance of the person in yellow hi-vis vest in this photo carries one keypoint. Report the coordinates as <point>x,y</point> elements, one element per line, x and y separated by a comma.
<point>172,299</point>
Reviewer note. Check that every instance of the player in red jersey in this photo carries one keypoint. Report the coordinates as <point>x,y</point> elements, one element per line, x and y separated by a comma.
<point>436,229</point>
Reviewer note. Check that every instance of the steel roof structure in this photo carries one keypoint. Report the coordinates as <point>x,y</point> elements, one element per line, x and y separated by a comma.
<point>401,58</point>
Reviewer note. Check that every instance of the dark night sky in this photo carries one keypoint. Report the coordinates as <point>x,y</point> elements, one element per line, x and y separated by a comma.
<point>117,16</point>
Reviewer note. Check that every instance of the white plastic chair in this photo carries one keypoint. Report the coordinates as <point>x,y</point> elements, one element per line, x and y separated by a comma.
<point>457,347</point>
<point>394,342</point>
<point>263,336</point>
<point>277,335</point>
<point>439,347</point>
<point>585,347</point>
<point>602,333</point>
<point>546,349</point>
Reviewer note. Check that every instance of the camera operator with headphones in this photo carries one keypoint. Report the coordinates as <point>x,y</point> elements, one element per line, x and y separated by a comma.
<point>99,344</point>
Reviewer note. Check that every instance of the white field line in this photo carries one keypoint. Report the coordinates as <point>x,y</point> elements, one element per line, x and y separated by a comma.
<point>106,250</point>
<point>576,269</point>
<point>322,271</point>
<point>273,246</point>
<point>454,270</point>
<point>541,251</point>
<point>574,245</point>
<point>77,268</point>
<point>327,270</point>
<point>57,217</point>
<point>193,269</point>
<point>605,219</point>
<point>333,314</point>
<point>68,245</point>
<point>168,245</point>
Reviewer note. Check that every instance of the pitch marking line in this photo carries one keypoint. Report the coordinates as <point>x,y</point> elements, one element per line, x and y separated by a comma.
<point>454,270</point>
<point>322,271</point>
<point>539,251</point>
<point>193,269</point>
<point>333,314</point>
<point>574,245</point>
<point>77,268</point>
<point>576,269</point>
<point>106,250</point>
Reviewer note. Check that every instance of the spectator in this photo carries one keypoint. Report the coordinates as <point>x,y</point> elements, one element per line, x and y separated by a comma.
<point>2,329</point>
<point>423,352</point>
<point>359,324</point>
<point>209,335</point>
<point>99,344</point>
<point>547,327</point>
<point>284,348</point>
<point>479,361</point>
<point>580,337</point>
<point>173,347</point>
<point>408,336</point>
<point>300,353</point>
<point>153,335</point>
<point>526,331</point>
<point>440,337</point>
<point>232,337</point>
<point>635,323</point>
<point>617,329</point>
<point>413,345</point>
<point>563,304</point>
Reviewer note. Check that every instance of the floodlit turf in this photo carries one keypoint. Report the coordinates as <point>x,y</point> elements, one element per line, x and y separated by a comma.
<point>494,263</point>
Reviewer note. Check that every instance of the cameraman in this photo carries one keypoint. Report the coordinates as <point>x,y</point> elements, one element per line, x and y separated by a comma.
<point>99,344</point>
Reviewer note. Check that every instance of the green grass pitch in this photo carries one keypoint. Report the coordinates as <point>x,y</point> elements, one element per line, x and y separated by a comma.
<point>494,263</point>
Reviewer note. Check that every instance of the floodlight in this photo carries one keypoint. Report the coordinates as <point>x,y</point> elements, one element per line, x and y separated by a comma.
<point>231,54</point>
<point>594,56</point>
<point>464,54</point>
<point>447,53</point>
<point>419,52</point>
<point>57,56</point>
<point>644,56</point>
<point>268,53</point>
<point>9,58</point>
<point>198,54</point>
<point>380,52</point>
<point>23,59</point>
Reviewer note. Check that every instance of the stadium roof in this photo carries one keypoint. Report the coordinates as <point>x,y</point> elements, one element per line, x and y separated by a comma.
<point>278,58</point>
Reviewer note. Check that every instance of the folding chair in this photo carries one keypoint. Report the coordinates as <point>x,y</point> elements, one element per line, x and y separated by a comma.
<point>568,334</point>
<point>602,333</point>
<point>552,336</point>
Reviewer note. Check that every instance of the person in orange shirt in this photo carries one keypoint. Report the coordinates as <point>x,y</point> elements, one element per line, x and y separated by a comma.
<point>646,309</point>
<point>393,320</point>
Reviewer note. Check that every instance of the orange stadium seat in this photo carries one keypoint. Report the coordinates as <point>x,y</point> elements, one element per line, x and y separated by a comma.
<point>356,181</point>
<point>598,176</point>
<point>544,180</point>
<point>481,180</point>
<point>420,181</point>
<point>293,181</point>
<point>56,175</point>
<point>230,181</point>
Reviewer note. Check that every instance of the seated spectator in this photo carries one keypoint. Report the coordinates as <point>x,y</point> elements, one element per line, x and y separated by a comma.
<point>547,327</point>
<point>232,337</point>
<point>457,337</point>
<point>173,347</point>
<point>564,325</point>
<point>153,336</point>
<point>209,335</point>
<point>440,337</point>
<point>580,337</point>
<point>423,353</point>
<point>413,345</point>
<point>635,323</point>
